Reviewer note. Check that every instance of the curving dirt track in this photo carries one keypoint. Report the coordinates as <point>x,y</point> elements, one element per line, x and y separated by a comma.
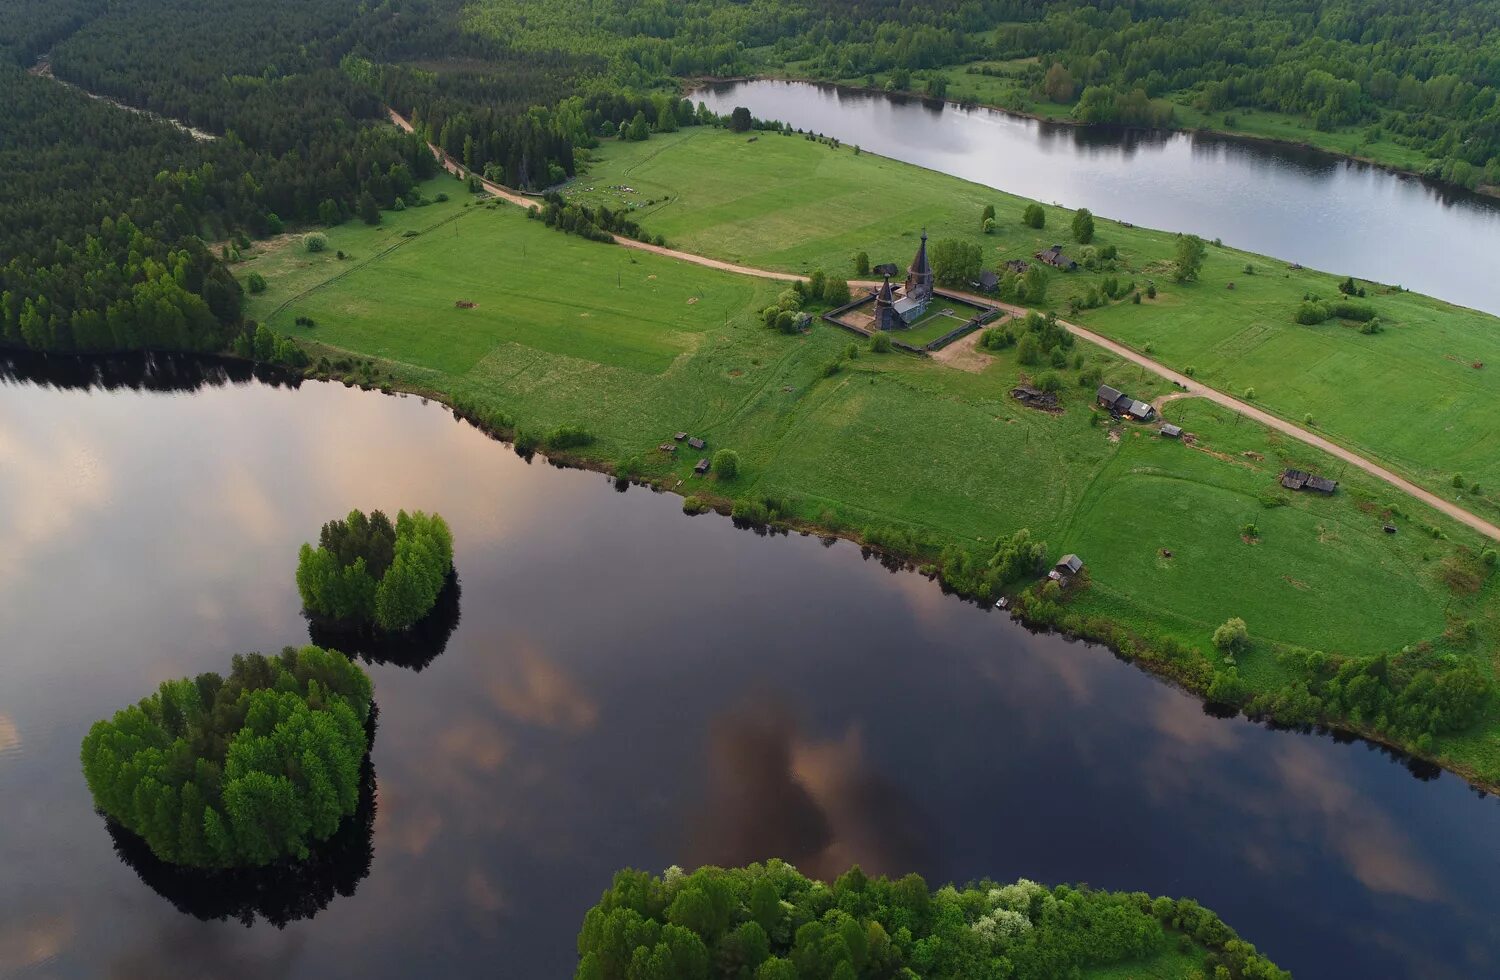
<point>1185,384</point>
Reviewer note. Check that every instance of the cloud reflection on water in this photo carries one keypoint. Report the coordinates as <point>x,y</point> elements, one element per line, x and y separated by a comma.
<point>820,804</point>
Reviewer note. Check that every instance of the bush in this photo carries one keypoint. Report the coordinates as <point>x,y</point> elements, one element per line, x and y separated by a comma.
<point>1050,382</point>
<point>861,263</point>
<point>881,343</point>
<point>726,464</point>
<point>315,241</point>
<point>1034,216</point>
<point>255,282</point>
<point>568,437</point>
<point>218,772</point>
<point>1233,637</point>
<point>1312,312</point>
<point>1358,312</point>
<point>693,505</point>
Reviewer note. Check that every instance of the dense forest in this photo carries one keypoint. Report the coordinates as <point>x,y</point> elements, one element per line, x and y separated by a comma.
<point>769,922</point>
<point>1420,73</point>
<point>240,771</point>
<point>108,215</point>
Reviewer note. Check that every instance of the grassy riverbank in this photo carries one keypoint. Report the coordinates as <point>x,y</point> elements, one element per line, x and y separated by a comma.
<point>907,451</point>
<point>1409,396</point>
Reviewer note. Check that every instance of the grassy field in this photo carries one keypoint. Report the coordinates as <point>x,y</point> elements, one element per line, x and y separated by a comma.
<point>634,347</point>
<point>1409,396</point>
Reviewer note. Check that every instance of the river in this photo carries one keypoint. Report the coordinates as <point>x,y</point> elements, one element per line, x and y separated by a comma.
<point>1283,201</point>
<point>627,686</point>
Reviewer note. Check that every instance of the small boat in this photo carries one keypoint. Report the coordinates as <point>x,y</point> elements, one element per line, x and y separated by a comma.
<point>1002,603</point>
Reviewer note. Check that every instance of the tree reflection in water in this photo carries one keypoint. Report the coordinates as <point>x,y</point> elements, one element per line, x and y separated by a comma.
<point>282,892</point>
<point>413,649</point>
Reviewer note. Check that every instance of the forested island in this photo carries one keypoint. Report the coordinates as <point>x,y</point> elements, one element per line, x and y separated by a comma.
<point>769,922</point>
<point>368,571</point>
<point>237,772</point>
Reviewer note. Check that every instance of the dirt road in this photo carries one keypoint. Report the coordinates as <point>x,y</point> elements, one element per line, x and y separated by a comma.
<point>1183,382</point>
<point>506,194</point>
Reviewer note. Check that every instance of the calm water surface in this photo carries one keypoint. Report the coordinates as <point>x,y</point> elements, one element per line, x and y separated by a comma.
<point>1293,204</point>
<point>629,686</point>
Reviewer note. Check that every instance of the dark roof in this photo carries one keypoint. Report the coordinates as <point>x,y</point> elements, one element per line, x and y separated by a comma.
<point>702,466</point>
<point>1070,563</point>
<point>885,295</point>
<point>919,264</point>
<point>987,280</point>
<point>1171,430</point>
<point>696,443</point>
<point>886,269</point>
<point>1139,409</point>
<point>1110,395</point>
<point>680,436</point>
<point>1298,480</point>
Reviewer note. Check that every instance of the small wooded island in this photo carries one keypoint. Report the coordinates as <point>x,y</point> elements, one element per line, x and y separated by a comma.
<point>218,772</point>
<point>769,922</point>
<point>367,571</point>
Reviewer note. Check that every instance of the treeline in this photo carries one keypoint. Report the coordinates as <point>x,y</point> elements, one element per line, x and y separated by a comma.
<point>105,212</point>
<point>768,922</point>
<point>367,570</point>
<point>1420,72</point>
<point>239,771</point>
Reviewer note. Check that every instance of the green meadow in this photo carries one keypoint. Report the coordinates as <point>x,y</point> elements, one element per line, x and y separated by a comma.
<point>1410,396</point>
<point>633,347</point>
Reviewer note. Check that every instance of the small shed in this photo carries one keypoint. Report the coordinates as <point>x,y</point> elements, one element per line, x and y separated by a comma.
<point>1069,565</point>
<point>1389,529</point>
<point>680,436</point>
<point>1171,431</point>
<point>1298,480</point>
<point>667,447</point>
<point>702,466</point>
<point>987,282</point>
<point>696,443</point>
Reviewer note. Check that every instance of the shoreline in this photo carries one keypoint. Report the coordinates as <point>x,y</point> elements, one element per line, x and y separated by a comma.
<point>1489,192</point>
<point>1145,658</point>
<point>227,368</point>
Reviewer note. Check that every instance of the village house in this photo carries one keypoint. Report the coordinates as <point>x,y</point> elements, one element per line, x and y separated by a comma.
<point>987,282</point>
<point>1053,256</point>
<point>1298,480</point>
<point>1066,569</point>
<point>1121,404</point>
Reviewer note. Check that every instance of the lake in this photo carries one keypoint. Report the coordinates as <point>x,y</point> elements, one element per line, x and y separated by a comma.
<point>1283,201</point>
<point>626,685</point>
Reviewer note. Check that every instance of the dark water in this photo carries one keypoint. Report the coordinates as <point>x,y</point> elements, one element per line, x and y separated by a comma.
<point>628,686</point>
<point>1290,203</point>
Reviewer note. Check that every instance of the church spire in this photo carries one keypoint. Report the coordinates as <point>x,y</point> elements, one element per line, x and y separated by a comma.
<point>919,276</point>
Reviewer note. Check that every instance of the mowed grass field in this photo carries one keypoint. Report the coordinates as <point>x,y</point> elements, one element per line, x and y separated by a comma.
<point>1410,396</point>
<point>634,347</point>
